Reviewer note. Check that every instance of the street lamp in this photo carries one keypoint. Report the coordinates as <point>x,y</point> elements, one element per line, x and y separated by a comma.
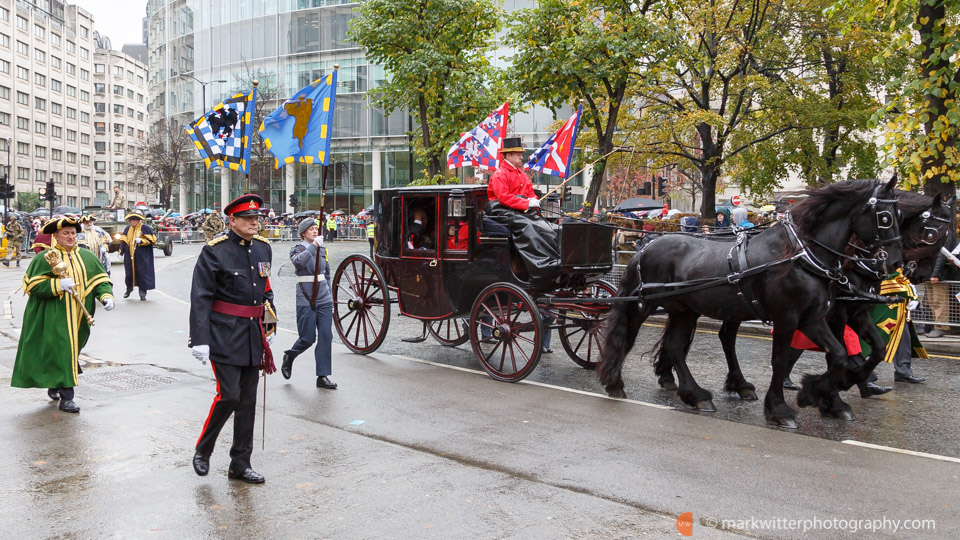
<point>203,86</point>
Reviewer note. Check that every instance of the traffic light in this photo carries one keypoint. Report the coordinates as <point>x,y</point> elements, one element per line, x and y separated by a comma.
<point>661,186</point>
<point>9,191</point>
<point>565,194</point>
<point>51,192</point>
<point>294,202</point>
<point>645,190</point>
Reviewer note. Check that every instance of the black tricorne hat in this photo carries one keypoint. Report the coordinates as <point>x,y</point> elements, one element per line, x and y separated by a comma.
<point>244,205</point>
<point>54,225</point>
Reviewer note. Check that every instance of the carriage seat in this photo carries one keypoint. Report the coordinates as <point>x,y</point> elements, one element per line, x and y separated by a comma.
<point>491,225</point>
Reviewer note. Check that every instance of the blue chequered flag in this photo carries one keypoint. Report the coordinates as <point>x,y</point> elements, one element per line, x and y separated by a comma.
<point>222,136</point>
<point>555,155</point>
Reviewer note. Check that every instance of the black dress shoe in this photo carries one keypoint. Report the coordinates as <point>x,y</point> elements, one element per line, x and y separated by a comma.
<point>286,369</point>
<point>790,385</point>
<point>127,294</point>
<point>913,379</point>
<point>201,464</point>
<point>69,406</point>
<point>143,297</point>
<point>53,394</point>
<point>248,475</point>
<point>324,382</point>
<point>873,389</point>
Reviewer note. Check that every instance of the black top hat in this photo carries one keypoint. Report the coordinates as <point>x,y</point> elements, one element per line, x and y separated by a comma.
<point>244,205</point>
<point>511,144</point>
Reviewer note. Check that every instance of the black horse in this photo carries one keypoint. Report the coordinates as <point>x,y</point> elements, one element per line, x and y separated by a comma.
<point>925,229</point>
<point>785,274</point>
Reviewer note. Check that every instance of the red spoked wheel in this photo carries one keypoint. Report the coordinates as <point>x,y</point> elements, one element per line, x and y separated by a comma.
<point>580,325</point>
<point>450,332</point>
<point>361,304</point>
<point>506,332</point>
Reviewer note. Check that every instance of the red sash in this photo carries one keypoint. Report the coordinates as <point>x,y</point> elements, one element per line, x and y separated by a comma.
<point>237,310</point>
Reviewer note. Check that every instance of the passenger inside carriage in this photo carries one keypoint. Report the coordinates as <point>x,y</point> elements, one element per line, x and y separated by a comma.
<point>420,225</point>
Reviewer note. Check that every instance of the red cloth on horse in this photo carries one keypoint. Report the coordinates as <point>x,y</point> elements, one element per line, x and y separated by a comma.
<point>850,339</point>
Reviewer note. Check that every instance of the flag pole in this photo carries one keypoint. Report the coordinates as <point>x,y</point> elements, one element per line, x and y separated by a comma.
<point>560,185</point>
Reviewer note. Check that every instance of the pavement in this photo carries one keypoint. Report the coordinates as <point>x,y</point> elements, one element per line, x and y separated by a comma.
<point>412,447</point>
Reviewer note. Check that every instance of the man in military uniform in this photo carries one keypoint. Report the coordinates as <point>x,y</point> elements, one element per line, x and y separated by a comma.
<point>212,226</point>
<point>117,202</point>
<point>230,295</point>
<point>14,234</point>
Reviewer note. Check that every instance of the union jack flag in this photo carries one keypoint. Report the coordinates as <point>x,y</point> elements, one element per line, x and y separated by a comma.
<point>555,155</point>
<point>480,147</point>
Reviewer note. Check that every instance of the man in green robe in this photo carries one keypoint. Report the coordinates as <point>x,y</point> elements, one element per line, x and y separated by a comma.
<point>55,328</point>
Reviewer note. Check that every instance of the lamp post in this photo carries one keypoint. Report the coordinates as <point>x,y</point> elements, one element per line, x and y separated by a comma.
<point>203,86</point>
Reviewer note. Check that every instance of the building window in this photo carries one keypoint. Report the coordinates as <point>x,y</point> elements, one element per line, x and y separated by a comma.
<point>55,39</point>
<point>39,80</point>
<point>129,94</point>
<point>84,202</point>
<point>41,175</point>
<point>85,161</point>
<point>40,104</point>
<point>71,91</point>
<point>39,55</point>
<point>84,75</point>
<point>56,85</point>
<point>139,98</point>
<point>4,41</point>
<point>129,75</point>
<point>99,127</point>
<point>4,66</point>
<point>84,117</point>
<point>117,166</point>
<point>118,128</point>
<point>118,148</point>
<point>23,173</point>
<point>23,123</point>
<point>23,48</point>
<point>71,113</point>
<point>118,90</point>
<point>100,166</point>
<point>117,109</point>
<point>4,14</point>
<point>119,185</point>
<point>4,119</point>
<point>71,157</point>
<point>40,128</point>
<point>130,131</point>
<point>100,146</point>
<point>71,135</point>
<point>140,117</point>
<point>39,31</point>
<point>85,182</point>
<point>23,149</point>
<point>71,201</point>
<point>99,88</point>
<point>129,112</point>
<point>84,32</point>
<point>99,107</point>
<point>40,152</point>
<point>55,62</point>
<point>22,23</point>
<point>84,138</point>
<point>71,46</point>
<point>71,69</point>
<point>56,131</point>
<point>23,98</point>
<point>23,73</point>
<point>56,155</point>
<point>56,177</point>
<point>56,108</point>
<point>99,68</point>
<point>84,96</point>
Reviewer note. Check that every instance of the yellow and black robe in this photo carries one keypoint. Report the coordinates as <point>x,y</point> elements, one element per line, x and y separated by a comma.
<point>138,258</point>
<point>54,327</point>
<point>893,319</point>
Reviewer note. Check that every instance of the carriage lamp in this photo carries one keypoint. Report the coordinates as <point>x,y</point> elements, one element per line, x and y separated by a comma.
<point>456,204</point>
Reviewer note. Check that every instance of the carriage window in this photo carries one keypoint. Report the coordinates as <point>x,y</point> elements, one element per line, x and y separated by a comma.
<point>419,232</point>
<point>456,235</point>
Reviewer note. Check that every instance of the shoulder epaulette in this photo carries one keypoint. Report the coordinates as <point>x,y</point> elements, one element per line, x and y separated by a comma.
<point>217,240</point>
<point>260,238</point>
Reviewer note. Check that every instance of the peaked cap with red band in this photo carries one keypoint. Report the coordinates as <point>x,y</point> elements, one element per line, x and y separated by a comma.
<point>244,205</point>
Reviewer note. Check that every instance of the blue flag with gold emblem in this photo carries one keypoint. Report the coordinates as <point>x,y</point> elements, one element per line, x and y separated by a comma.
<point>222,136</point>
<point>300,130</point>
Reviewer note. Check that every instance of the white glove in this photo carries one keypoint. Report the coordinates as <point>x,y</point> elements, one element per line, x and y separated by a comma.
<point>201,353</point>
<point>67,284</point>
<point>108,304</point>
<point>138,240</point>
<point>912,305</point>
<point>533,203</point>
<point>270,338</point>
<point>318,241</point>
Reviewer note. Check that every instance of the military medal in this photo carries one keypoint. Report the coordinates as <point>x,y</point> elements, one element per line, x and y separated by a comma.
<point>264,269</point>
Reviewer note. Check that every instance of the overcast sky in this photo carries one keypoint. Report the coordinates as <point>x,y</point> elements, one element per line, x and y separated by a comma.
<point>120,20</point>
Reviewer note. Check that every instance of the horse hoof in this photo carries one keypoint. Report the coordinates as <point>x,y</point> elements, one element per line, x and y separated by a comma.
<point>671,386</point>
<point>841,415</point>
<point>618,393</point>
<point>748,395</point>
<point>706,406</point>
<point>788,423</point>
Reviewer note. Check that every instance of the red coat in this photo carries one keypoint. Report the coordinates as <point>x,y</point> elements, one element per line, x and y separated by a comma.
<point>511,187</point>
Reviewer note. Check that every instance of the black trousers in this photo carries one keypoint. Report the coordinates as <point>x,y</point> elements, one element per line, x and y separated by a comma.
<point>236,395</point>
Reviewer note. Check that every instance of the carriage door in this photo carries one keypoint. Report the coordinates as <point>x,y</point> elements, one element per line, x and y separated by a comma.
<point>420,272</point>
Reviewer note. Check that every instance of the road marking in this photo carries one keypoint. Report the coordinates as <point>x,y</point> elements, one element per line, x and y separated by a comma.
<point>534,383</point>
<point>8,309</point>
<point>901,451</point>
<point>184,302</point>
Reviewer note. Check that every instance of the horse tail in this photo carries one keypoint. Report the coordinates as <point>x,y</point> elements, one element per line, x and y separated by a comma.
<point>619,331</point>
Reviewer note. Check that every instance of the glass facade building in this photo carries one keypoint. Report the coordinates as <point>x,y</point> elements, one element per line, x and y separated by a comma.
<point>286,44</point>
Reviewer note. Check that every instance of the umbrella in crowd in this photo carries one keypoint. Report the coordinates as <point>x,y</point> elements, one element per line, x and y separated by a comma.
<point>637,203</point>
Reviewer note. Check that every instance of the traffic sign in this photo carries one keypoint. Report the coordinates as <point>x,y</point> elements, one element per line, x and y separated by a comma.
<point>735,200</point>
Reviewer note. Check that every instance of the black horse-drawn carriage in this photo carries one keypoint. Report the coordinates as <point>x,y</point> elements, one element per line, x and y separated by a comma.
<point>459,273</point>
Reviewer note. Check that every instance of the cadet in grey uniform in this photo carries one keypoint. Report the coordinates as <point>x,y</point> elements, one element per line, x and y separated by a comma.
<point>314,303</point>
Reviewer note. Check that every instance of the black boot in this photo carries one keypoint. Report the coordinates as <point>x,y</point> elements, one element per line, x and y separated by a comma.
<point>286,369</point>
<point>872,389</point>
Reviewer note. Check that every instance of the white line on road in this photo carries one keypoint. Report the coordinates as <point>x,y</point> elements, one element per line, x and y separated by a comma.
<point>901,451</point>
<point>8,309</point>
<point>534,383</point>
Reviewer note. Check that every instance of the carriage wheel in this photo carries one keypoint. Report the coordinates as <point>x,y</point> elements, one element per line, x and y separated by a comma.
<point>506,332</point>
<point>450,332</point>
<point>361,304</point>
<point>580,330</point>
